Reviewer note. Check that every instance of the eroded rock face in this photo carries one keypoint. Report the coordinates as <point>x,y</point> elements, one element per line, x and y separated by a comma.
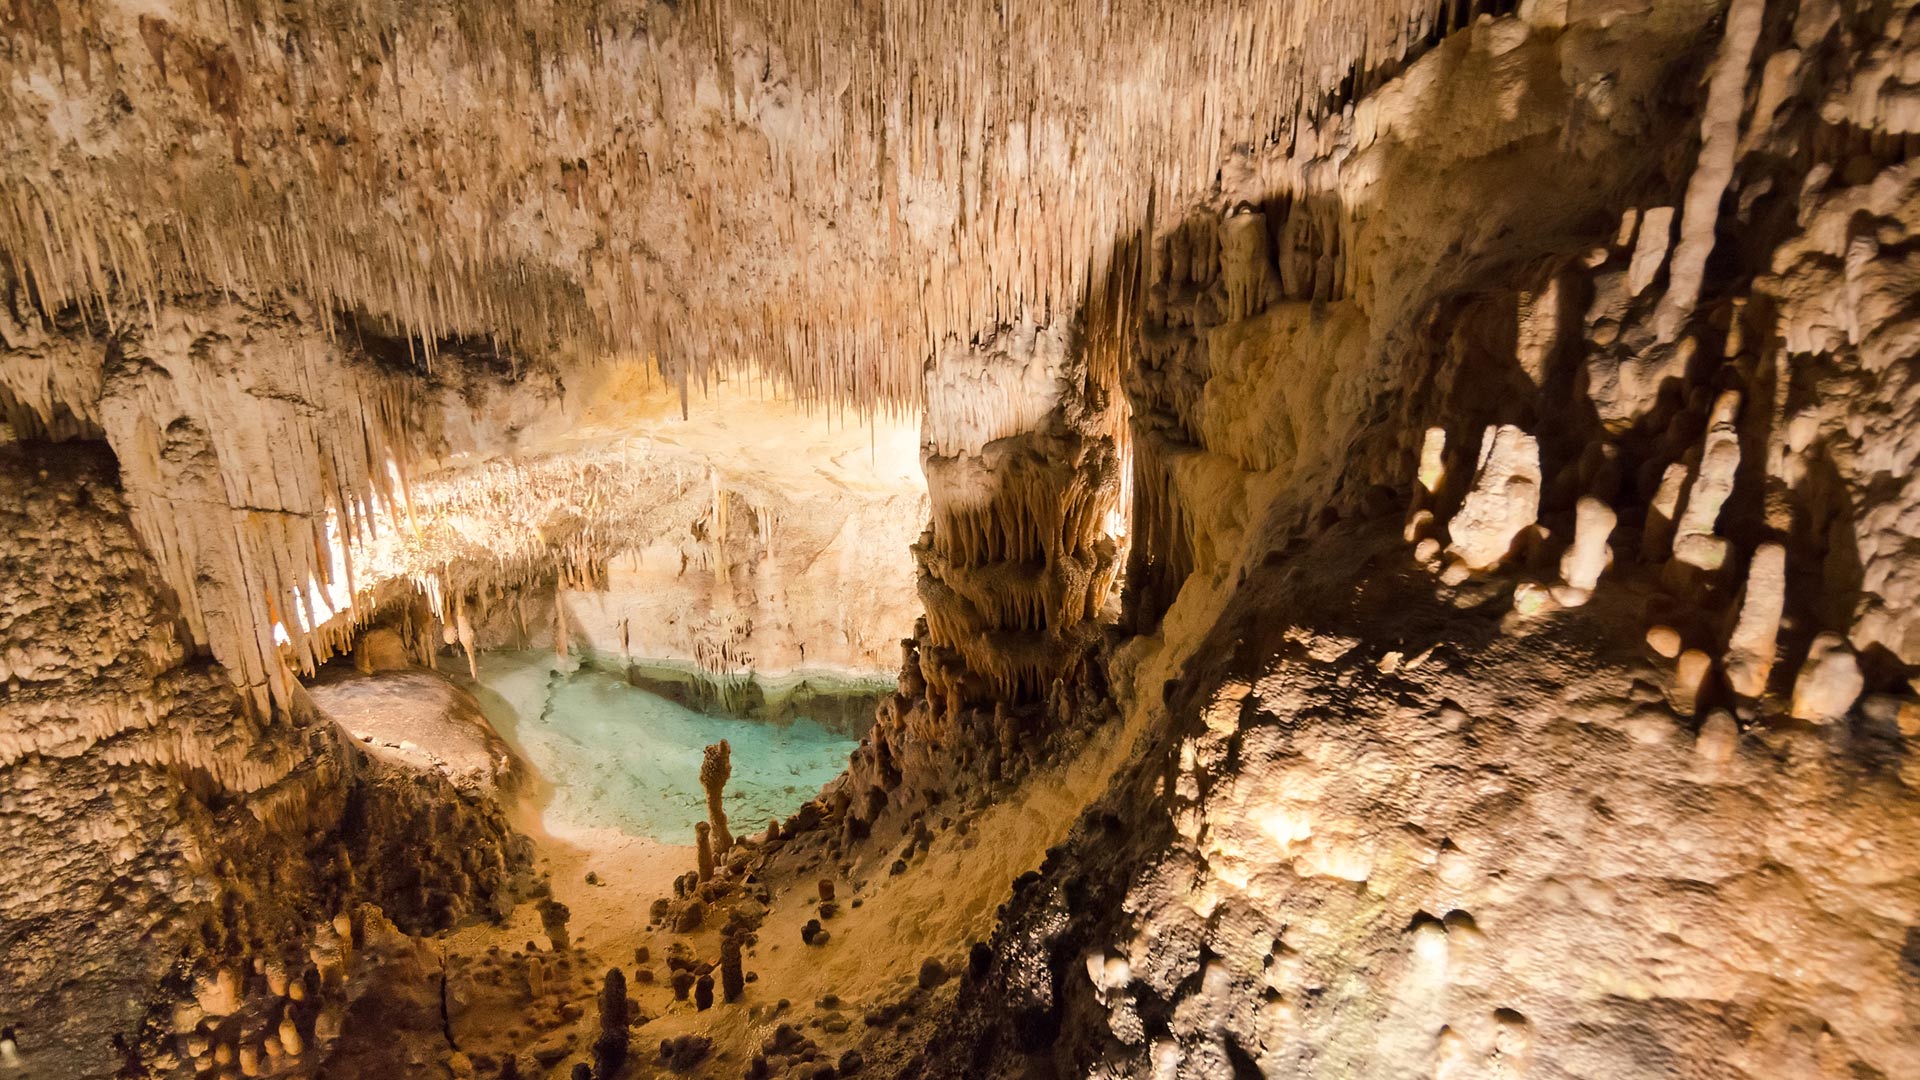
<point>1591,763</point>
<point>1403,821</point>
<point>168,857</point>
<point>1466,862</point>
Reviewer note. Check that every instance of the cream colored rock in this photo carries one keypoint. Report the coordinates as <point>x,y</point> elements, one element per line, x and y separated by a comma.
<point>1650,253</point>
<point>1246,272</point>
<point>1433,461</point>
<point>1590,554</point>
<point>1714,165</point>
<point>1503,502</point>
<point>1694,541</point>
<point>1419,524</point>
<point>1829,682</point>
<point>1664,640</point>
<point>219,994</point>
<point>1689,679</point>
<point>1656,538</point>
<point>1752,645</point>
<point>1718,737</point>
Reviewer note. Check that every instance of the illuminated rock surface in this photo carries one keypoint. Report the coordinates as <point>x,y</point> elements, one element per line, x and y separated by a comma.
<point>1382,536</point>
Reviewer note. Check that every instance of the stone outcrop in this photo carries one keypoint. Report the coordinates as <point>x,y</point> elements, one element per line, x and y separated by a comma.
<point>222,840</point>
<point>1498,420</point>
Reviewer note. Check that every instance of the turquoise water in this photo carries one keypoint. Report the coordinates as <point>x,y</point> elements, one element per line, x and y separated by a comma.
<point>619,757</point>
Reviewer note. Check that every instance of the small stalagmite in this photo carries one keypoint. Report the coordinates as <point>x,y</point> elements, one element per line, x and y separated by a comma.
<point>553,919</point>
<point>1718,738</point>
<point>703,848</point>
<point>1752,644</point>
<point>716,766</point>
<point>1689,681</point>
<point>1503,502</point>
<point>1650,253</point>
<point>1656,535</point>
<point>610,1049</point>
<point>1582,565</point>
<point>732,979</point>
<point>1829,682</point>
<point>1694,542</point>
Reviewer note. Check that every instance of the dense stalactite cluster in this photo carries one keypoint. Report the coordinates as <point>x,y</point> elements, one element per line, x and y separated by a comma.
<point>232,177</point>
<point>1505,416</point>
<point>1022,450</point>
<point>273,148</point>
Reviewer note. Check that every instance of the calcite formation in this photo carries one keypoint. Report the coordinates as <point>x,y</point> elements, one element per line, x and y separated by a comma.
<point>225,844</point>
<point>1395,521</point>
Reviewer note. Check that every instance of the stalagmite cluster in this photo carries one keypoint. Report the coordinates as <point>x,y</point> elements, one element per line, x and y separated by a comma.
<point>1410,570</point>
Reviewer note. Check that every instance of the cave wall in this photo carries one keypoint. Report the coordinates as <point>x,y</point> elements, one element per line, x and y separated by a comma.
<point>173,861</point>
<point>1520,418</point>
<point>1527,636</point>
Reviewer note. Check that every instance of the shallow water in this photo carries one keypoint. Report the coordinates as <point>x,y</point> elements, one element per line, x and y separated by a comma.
<point>620,757</point>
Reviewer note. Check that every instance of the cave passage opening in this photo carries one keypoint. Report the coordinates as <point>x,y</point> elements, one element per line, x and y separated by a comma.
<point>616,744</point>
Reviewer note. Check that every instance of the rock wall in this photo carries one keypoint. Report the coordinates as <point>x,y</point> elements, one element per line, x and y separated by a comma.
<point>1528,662</point>
<point>169,857</point>
<point>1022,456</point>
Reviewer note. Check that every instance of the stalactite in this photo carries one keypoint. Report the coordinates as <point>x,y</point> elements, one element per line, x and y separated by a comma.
<point>1046,156</point>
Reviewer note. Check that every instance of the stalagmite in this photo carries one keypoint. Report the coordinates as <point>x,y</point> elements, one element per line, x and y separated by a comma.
<point>1752,644</point>
<point>553,919</point>
<point>1719,145</point>
<point>1718,737</point>
<point>1433,462</point>
<point>1431,474</point>
<point>1656,539</point>
<point>1650,253</point>
<point>1664,641</point>
<point>1694,541</point>
<point>1689,681</point>
<point>390,323</point>
<point>610,1048</point>
<point>732,979</point>
<point>716,765</point>
<point>1504,500</point>
<point>1829,682</point>
<point>1581,566</point>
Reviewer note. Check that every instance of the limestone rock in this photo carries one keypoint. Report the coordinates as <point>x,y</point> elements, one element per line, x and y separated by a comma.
<point>1503,501</point>
<point>1829,682</point>
<point>1752,645</point>
<point>1581,566</point>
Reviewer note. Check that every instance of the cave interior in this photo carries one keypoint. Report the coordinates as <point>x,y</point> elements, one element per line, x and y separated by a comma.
<point>960,539</point>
